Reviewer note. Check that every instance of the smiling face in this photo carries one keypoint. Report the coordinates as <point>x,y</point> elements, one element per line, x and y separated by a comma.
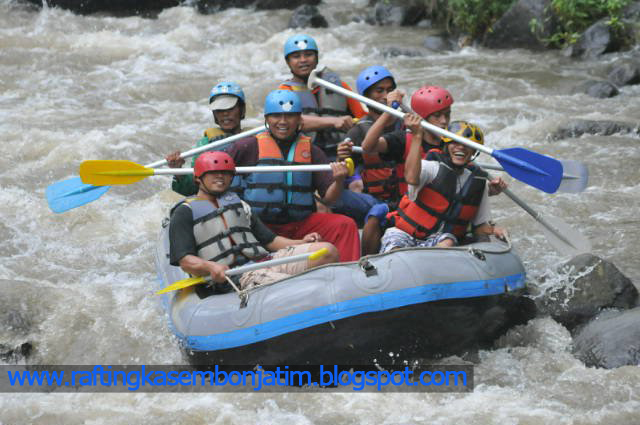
<point>216,182</point>
<point>302,62</point>
<point>459,153</point>
<point>283,126</point>
<point>229,119</point>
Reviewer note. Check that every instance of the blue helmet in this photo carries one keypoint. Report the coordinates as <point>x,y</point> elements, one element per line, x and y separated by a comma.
<point>228,88</point>
<point>298,42</point>
<point>372,75</point>
<point>282,102</point>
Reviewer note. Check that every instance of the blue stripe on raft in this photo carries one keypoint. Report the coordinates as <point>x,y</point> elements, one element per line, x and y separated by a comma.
<point>344,309</point>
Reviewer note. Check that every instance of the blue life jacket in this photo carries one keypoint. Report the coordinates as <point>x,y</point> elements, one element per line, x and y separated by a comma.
<point>285,197</point>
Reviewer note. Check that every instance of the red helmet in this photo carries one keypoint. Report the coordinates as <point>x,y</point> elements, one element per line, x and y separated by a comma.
<point>429,99</point>
<point>214,161</point>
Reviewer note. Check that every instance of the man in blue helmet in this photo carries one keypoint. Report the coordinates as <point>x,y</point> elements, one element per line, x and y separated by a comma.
<point>284,201</point>
<point>227,103</point>
<point>379,179</point>
<point>327,114</point>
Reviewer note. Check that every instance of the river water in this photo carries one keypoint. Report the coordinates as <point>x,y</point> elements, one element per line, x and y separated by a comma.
<point>79,285</point>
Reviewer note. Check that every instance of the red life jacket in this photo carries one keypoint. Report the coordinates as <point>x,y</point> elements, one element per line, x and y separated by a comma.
<point>438,206</point>
<point>384,179</point>
<point>378,176</point>
<point>402,184</point>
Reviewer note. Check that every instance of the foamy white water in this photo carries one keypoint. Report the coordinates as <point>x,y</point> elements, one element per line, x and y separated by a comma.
<point>80,285</point>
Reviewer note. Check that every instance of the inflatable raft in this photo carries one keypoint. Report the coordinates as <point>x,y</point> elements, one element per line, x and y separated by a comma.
<point>407,304</point>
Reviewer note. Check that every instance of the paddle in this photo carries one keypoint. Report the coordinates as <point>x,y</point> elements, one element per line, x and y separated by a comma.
<point>107,172</point>
<point>574,179</point>
<point>560,235</point>
<point>185,283</point>
<point>72,193</point>
<point>539,171</point>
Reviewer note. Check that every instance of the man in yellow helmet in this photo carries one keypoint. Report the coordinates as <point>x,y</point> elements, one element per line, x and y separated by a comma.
<point>445,194</point>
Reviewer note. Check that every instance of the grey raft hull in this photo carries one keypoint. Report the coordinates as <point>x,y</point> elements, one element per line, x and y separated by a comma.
<point>408,304</point>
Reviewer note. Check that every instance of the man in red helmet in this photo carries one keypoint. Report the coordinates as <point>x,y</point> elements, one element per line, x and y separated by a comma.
<point>429,102</point>
<point>215,230</point>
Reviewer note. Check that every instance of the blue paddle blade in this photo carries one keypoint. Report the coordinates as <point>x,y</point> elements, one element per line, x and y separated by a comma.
<point>537,170</point>
<point>71,193</point>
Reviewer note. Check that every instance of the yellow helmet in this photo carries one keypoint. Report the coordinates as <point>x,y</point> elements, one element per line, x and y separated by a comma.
<point>466,130</point>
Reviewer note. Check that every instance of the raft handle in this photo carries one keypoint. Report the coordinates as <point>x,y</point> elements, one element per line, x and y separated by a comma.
<point>368,268</point>
<point>477,253</point>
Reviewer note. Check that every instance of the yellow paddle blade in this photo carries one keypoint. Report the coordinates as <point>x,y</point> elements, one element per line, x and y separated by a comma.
<point>318,254</point>
<point>350,166</point>
<point>181,284</point>
<point>106,173</point>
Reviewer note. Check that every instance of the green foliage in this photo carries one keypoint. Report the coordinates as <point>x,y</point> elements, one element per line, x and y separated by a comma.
<point>475,17</point>
<point>574,16</point>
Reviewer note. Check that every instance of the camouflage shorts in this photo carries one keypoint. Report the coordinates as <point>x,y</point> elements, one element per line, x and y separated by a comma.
<point>396,238</point>
<point>277,272</point>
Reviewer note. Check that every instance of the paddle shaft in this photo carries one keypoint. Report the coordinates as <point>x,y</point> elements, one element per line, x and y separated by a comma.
<point>210,146</point>
<point>255,266</point>
<point>313,79</point>
<point>536,216</point>
<point>185,283</point>
<point>495,167</point>
<point>248,170</point>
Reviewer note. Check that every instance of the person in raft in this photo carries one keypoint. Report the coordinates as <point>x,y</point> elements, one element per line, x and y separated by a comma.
<point>327,115</point>
<point>444,195</point>
<point>227,103</point>
<point>379,179</point>
<point>433,104</point>
<point>284,201</point>
<point>215,230</point>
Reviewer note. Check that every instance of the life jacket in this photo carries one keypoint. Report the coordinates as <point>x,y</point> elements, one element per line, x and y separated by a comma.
<point>402,184</point>
<point>214,134</point>
<point>439,207</point>
<point>322,102</point>
<point>281,197</point>
<point>223,234</point>
<point>379,177</point>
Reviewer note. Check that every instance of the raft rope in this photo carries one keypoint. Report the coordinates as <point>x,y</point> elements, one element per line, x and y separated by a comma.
<point>243,294</point>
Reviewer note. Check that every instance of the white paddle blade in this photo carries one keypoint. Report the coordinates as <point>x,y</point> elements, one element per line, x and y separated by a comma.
<point>564,238</point>
<point>575,177</point>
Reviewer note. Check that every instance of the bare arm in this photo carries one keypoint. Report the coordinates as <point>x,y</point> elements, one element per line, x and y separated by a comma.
<point>315,123</point>
<point>412,165</point>
<point>373,141</point>
<point>334,191</point>
<point>196,266</point>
